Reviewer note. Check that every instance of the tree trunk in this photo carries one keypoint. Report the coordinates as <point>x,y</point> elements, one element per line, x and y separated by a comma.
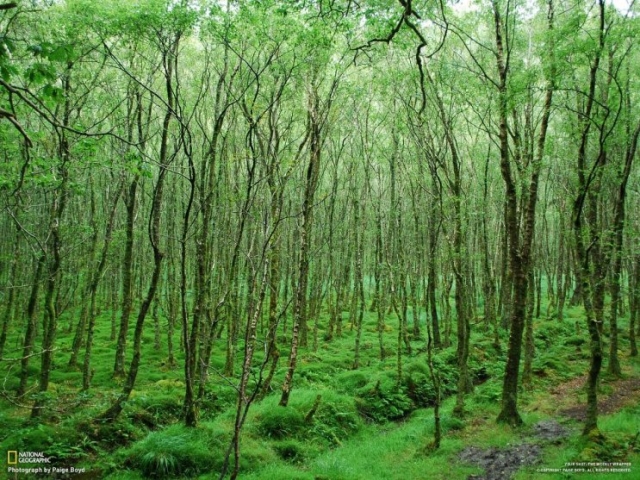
<point>30,333</point>
<point>169,58</point>
<point>96,276</point>
<point>618,231</point>
<point>300,305</point>
<point>127,280</point>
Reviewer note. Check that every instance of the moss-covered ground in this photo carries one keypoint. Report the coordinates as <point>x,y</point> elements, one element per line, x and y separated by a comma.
<point>369,424</point>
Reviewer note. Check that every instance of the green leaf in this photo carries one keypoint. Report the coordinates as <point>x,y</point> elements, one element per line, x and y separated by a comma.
<point>7,71</point>
<point>61,53</point>
<point>40,72</point>
<point>53,92</point>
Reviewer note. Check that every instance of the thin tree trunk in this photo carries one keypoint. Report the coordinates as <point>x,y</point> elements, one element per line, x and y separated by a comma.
<point>30,333</point>
<point>169,57</point>
<point>127,281</point>
<point>300,305</point>
<point>7,318</point>
<point>93,290</point>
<point>618,231</point>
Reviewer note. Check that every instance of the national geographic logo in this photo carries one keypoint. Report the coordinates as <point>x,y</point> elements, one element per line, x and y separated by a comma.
<point>35,463</point>
<point>15,457</point>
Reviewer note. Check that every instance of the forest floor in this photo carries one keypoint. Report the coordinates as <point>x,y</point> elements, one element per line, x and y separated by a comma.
<point>624,392</point>
<point>503,463</point>
<point>368,426</point>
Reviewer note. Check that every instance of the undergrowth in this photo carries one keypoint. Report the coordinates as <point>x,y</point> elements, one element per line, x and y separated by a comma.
<point>367,423</point>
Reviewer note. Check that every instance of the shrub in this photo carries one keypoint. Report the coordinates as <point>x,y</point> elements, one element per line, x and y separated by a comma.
<point>216,399</point>
<point>162,408</point>
<point>159,464</point>
<point>33,439</point>
<point>549,332</point>
<point>174,451</point>
<point>450,423</point>
<point>111,435</point>
<point>420,389</point>
<point>575,341</point>
<point>384,401</point>
<point>314,373</point>
<point>280,422</point>
<point>547,362</point>
<point>490,393</point>
<point>61,442</point>
<point>446,364</point>
<point>613,448</point>
<point>335,420</point>
<point>290,451</point>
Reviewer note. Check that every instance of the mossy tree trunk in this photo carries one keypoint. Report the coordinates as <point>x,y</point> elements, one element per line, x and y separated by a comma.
<point>618,235</point>
<point>96,276</point>
<point>169,62</point>
<point>584,272</point>
<point>520,236</point>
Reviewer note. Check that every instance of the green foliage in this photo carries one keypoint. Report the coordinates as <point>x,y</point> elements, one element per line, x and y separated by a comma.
<point>54,52</point>
<point>31,438</point>
<point>419,387</point>
<point>547,361</point>
<point>261,63</point>
<point>279,471</point>
<point>174,451</point>
<point>291,451</point>
<point>216,399</point>
<point>612,448</point>
<point>451,423</point>
<point>280,422</point>
<point>163,408</point>
<point>7,71</point>
<point>111,435</point>
<point>335,420</point>
<point>315,373</point>
<point>550,331</point>
<point>383,401</point>
<point>575,341</point>
<point>349,382</point>
<point>490,393</point>
<point>159,464</point>
<point>61,442</point>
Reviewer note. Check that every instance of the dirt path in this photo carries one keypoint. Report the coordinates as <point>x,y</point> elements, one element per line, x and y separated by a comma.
<point>565,400</point>
<point>503,463</point>
<point>624,393</point>
<point>500,464</point>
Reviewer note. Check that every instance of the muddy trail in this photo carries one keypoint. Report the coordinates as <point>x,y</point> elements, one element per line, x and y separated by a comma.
<point>502,464</point>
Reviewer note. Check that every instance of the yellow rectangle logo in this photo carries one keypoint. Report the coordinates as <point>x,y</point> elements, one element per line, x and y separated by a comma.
<point>12,457</point>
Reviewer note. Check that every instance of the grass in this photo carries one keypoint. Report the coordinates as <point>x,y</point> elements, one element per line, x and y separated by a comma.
<point>367,425</point>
